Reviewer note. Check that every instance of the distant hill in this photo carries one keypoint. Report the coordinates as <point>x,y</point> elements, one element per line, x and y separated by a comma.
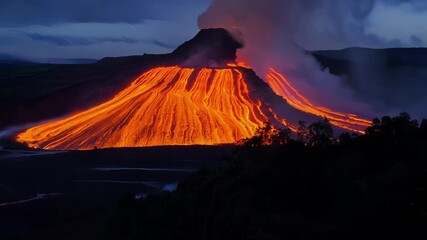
<point>9,59</point>
<point>339,61</point>
<point>67,60</point>
<point>391,80</point>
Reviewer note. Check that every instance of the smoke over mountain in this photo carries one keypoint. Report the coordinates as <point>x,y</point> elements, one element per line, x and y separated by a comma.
<point>277,33</point>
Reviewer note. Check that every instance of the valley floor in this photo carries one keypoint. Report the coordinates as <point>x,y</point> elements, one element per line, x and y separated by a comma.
<point>71,195</point>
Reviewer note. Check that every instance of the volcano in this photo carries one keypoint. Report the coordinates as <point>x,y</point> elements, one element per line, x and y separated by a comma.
<point>198,95</point>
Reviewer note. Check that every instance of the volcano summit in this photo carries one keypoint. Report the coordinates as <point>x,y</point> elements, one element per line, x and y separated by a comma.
<point>197,97</point>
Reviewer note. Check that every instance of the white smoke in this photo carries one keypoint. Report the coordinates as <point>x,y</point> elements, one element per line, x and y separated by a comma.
<point>276,33</point>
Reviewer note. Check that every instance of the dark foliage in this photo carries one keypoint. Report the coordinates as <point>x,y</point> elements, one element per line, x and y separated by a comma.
<point>360,187</point>
<point>268,135</point>
<point>320,134</point>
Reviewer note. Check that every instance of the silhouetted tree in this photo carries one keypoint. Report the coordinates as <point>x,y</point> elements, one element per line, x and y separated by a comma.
<point>320,133</point>
<point>423,127</point>
<point>396,130</point>
<point>268,135</point>
<point>302,131</point>
<point>345,138</point>
<point>375,127</point>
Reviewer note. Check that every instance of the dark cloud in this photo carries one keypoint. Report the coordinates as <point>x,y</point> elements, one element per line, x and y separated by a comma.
<point>65,41</point>
<point>48,12</point>
<point>78,41</point>
<point>124,27</point>
<point>162,44</point>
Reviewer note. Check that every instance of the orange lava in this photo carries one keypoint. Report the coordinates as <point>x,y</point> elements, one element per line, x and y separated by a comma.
<point>239,64</point>
<point>282,87</point>
<point>163,106</point>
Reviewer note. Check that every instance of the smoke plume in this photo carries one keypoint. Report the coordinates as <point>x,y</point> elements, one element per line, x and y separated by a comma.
<point>277,33</point>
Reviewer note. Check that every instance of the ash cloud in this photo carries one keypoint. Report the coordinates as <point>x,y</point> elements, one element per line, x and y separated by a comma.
<point>277,33</point>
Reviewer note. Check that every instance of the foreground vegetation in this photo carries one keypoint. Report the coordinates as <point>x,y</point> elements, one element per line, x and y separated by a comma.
<point>312,186</point>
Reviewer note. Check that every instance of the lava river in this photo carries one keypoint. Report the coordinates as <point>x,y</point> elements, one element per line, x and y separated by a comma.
<point>163,106</point>
<point>281,86</point>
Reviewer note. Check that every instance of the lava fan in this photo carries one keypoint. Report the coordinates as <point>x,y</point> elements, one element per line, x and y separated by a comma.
<point>164,106</point>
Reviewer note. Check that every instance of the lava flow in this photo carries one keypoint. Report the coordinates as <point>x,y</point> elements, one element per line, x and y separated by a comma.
<point>239,64</point>
<point>282,87</point>
<point>179,106</point>
<point>163,106</point>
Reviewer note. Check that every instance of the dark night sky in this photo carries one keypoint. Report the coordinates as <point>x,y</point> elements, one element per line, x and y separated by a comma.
<point>95,28</point>
<point>98,28</point>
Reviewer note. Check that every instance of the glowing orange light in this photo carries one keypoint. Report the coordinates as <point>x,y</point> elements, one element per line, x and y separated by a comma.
<point>283,121</point>
<point>164,106</point>
<point>239,64</point>
<point>282,87</point>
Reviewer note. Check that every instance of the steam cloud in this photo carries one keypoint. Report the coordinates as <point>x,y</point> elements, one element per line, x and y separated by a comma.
<point>277,32</point>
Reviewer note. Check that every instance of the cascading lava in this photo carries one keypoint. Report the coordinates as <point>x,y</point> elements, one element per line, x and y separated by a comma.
<point>281,86</point>
<point>164,106</point>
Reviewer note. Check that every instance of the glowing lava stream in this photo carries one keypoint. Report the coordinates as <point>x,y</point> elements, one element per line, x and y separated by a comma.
<point>178,106</point>
<point>164,106</point>
<point>282,87</point>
